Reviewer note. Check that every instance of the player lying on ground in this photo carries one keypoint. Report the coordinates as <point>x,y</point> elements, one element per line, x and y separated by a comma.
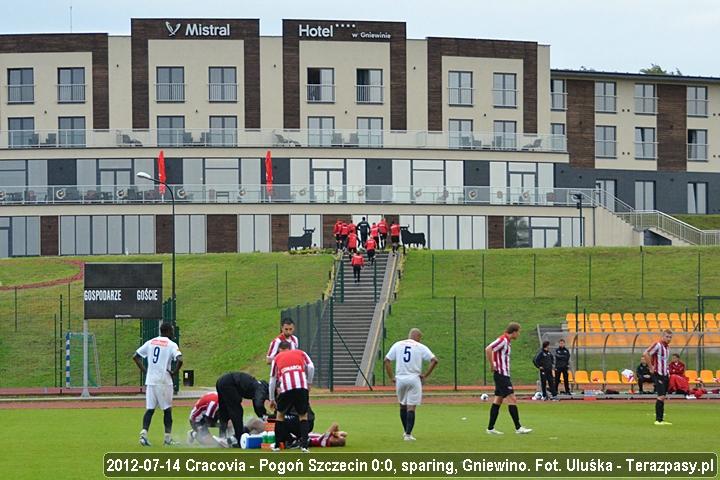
<point>204,415</point>
<point>333,436</point>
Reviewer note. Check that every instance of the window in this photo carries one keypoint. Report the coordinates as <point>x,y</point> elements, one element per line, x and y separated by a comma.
<point>460,133</point>
<point>170,84</point>
<point>605,141</point>
<point>697,197</point>
<point>697,101</point>
<point>517,232</point>
<point>557,140</point>
<point>321,131</point>
<point>545,232</point>
<point>21,132</point>
<point>697,145</point>
<point>223,131</point>
<point>13,179</point>
<point>171,131</point>
<point>369,87</point>
<point>645,99</point>
<point>71,131</point>
<point>370,132</point>
<point>645,143</point>
<point>558,94</point>
<point>221,175</point>
<point>644,195</point>
<point>222,84</point>
<point>504,135</point>
<point>320,85</point>
<point>504,90</point>
<point>20,85</point>
<point>605,193</point>
<point>605,97</point>
<point>460,88</point>
<point>71,85</point>
<point>19,236</point>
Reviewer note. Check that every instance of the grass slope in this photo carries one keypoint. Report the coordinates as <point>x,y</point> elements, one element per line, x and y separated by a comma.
<point>212,342</point>
<point>703,222</point>
<point>74,441</point>
<point>604,279</point>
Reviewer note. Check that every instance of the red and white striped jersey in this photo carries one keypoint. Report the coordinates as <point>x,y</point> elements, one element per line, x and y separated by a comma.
<point>659,353</point>
<point>291,369</point>
<point>319,439</point>
<point>273,349</point>
<point>206,406</point>
<point>501,355</point>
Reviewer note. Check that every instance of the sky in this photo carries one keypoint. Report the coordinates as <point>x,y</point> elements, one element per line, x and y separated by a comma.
<point>607,35</point>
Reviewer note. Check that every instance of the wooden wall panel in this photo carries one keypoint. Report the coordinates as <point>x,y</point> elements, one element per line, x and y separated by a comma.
<point>49,235</point>
<point>672,128</point>
<point>496,231</point>
<point>222,233</point>
<point>580,123</point>
<point>163,233</point>
<point>280,231</point>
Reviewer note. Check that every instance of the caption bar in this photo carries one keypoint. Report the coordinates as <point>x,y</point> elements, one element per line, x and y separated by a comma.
<point>378,465</point>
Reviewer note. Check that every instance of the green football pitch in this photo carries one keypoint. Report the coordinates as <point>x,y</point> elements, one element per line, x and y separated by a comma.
<point>70,443</point>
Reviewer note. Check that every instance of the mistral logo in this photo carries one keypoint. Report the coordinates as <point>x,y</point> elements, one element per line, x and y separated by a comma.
<point>199,30</point>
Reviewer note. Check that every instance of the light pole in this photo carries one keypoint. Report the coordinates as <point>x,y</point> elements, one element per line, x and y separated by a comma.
<point>578,197</point>
<point>147,176</point>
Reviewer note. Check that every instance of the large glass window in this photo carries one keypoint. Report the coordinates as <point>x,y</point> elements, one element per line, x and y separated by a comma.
<point>605,193</point>
<point>21,132</point>
<point>370,131</point>
<point>460,88</point>
<point>101,234</point>
<point>321,132</point>
<point>222,84</point>
<point>71,85</point>
<point>545,232</point>
<point>170,84</point>
<point>253,233</point>
<point>320,85</point>
<point>13,179</point>
<point>190,234</point>
<point>21,88</point>
<point>558,143</point>
<point>605,97</point>
<point>223,131</point>
<point>504,90</point>
<point>222,175</point>
<point>645,99</point>
<point>517,232</point>
<point>369,87</point>
<point>644,195</point>
<point>71,131</point>
<point>171,131</point>
<point>605,141</point>
<point>697,197</point>
<point>460,133</point>
<point>19,236</point>
<point>558,94</point>
<point>697,145</point>
<point>645,143</point>
<point>697,101</point>
<point>504,136</point>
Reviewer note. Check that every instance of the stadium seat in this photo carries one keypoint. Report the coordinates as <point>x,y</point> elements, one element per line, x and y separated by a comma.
<point>709,316</point>
<point>581,377</point>
<point>571,327</point>
<point>597,377</point>
<point>674,316</point>
<point>711,324</point>
<point>707,376</point>
<point>692,375</point>
<point>641,326</point>
<point>605,317</point>
<point>570,376</point>
<point>677,326</point>
<point>658,317</point>
<point>639,316</point>
<point>653,326</point>
<point>596,327</point>
<point>625,381</point>
<point>570,318</point>
<point>612,377</point>
<point>663,324</point>
<point>615,317</point>
<point>593,317</point>
<point>607,327</point>
<point>629,316</point>
<point>717,375</point>
<point>630,326</point>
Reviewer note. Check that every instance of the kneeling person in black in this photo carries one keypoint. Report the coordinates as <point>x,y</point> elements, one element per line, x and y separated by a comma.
<point>232,388</point>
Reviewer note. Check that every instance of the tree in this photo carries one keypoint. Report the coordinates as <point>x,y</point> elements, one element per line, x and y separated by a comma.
<point>655,69</point>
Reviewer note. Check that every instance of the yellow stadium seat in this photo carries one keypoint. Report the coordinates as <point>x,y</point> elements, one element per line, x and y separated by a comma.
<point>625,381</point>
<point>652,316</point>
<point>618,325</point>
<point>581,377</point>
<point>709,316</point>
<point>717,375</point>
<point>581,318</point>
<point>570,376</point>
<point>707,376</point>
<point>653,326</point>
<point>615,316</point>
<point>606,327</point>
<point>605,317</point>
<point>596,327</point>
<point>663,324</point>
<point>711,325</point>
<point>597,377</point>
<point>674,316</point>
<point>630,326</point>
<point>692,375</point>
<point>641,327</point>
<point>639,316</point>
<point>593,317</point>
<point>570,318</point>
<point>628,316</point>
<point>612,377</point>
<point>677,326</point>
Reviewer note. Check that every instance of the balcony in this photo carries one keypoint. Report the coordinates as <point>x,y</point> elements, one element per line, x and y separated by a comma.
<point>646,105</point>
<point>697,152</point>
<point>558,101</point>
<point>606,103</point>
<point>71,93</point>
<point>170,92</point>
<point>283,138</point>
<point>301,194</point>
<point>321,93</point>
<point>646,150</point>
<point>20,94</point>
<point>460,96</point>
<point>369,93</point>
<point>222,92</point>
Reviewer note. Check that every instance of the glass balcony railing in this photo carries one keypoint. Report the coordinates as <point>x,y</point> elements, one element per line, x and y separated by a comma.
<point>222,92</point>
<point>697,152</point>
<point>21,93</point>
<point>71,93</point>
<point>321,93</point>
<point>460,96</point>
<point>369,93</point>
<point>646,105</point>
<point>170,92</point>
<point>646,150</point>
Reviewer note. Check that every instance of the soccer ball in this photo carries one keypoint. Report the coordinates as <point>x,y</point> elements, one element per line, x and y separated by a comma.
<point>537,396</point>
<point>484,397</point>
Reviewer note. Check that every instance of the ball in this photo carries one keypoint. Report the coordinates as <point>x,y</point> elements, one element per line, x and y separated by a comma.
<point>484,397</point>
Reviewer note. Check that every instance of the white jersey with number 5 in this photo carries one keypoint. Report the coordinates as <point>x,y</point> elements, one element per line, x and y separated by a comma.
<point>408,356</point>
<point>159,352</point>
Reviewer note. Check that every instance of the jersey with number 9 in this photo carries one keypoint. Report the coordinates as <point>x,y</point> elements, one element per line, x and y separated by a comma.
<point>159,352</point>
<point>408,356</point>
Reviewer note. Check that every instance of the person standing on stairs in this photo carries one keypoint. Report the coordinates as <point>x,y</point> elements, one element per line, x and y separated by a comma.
<point>363,228</point>
<point>358,262</point>
<point>337,232</point>
<point>352,243</point>
<point>370,246</point>
<point>395,236</point>
<point>375,234</point>
<point>383,231</point>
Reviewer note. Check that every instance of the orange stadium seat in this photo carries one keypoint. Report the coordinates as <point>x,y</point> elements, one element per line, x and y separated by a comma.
<point>674,316</point>
<point>616,316</point>
<point>707,376</point>
<point>639,316</point>
<point>607,327</point>
<point>692,375</point>
<point>605,317</point>
<point>653,326</point>
<point>711,324</point>
<point>641,327</point>
<point>597,377</point>
<point>652,316</point>
<point>676,326</point>
<point>570,376</point>
<point>717,376</point>
<point>663,324</point>
<point>612,377</point>
<point>709,316</point>
<point>581,377</point>
<point>628,316</point>
<point>630,326</point>
<point>593,317</point>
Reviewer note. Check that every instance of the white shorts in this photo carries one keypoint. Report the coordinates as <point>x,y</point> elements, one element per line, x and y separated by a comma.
<point>409,390</point>
<point>158,396</point>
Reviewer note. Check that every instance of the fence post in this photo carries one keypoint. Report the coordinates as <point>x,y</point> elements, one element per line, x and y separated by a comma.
<point>484,343</point>
<point>642,273</point>
<point>332,347</point>
<point>69,302</point>
<point>226,293</point>
<point>384,334</point>
<point>55,379</point>
<point>375,292</point>
<point>60,322</point>
<point>585,346</point>
<point>482,271</point>
<point>590,276</point>
<point>16,310</point>
<point>115,342</point>
<point>698,274</point>
<point>277,285</point>
<point>432,276</point>
<point>534,270</point>
<point>455,341</point>
<point>342,282</point>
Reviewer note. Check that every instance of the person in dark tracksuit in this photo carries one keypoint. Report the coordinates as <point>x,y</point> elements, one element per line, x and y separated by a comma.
<point>232,388</point>
<point>544,361</point>
<point>363,228</point>
<point>562,364</point>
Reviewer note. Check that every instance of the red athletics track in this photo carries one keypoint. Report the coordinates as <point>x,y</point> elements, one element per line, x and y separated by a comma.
<point>51,283</point>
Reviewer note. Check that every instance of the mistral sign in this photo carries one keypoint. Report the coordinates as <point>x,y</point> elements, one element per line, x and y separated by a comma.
<point>198,29</point>
<point>320,31</point>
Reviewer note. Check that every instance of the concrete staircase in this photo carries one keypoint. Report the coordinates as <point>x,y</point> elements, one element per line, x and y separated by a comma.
<point>353,318</point>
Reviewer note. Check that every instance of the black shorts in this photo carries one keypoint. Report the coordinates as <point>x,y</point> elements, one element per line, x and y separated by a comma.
<point>661,384</point>
<point>395,239</point>
<point>299,398</point>
<point>371,253</point>
<point>337,237</point>
<point>503,385</point>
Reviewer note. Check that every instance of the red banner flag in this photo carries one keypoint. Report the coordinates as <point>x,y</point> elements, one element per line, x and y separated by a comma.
<point>268,173</point>
<point>161,171</point>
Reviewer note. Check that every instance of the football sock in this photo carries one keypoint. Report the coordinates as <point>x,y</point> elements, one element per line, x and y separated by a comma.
<point>515,415</point>
<point>410,422</point>
<point>279,433</point>
<point>167,420</point>
<point>147,418</point>
<point>403,416</point>
<point>304,432</point>
<point>494,411</point>
<point>659,410</point>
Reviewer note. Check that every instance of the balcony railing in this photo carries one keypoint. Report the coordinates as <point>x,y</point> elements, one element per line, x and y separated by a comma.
<point>170,92</point>
<point>222,92</point>
<point>605,149</point>
<point>697,108</point>
<point>605,103</point>
<point>369,93</point>
<point>558,100</point>
<point>218,193</point>
<point>646,105</point>
<point>21,93</point>
<point>278,138</point>
<point>71,93</point>
<point>504,97</point>
<point>646,150</point>
<point>321,93</point>
<point>697,151</point>
<point>462,96</point>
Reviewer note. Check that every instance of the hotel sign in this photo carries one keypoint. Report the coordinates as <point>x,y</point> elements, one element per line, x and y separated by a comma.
<point>319,31</point>
<point>198,30</point>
